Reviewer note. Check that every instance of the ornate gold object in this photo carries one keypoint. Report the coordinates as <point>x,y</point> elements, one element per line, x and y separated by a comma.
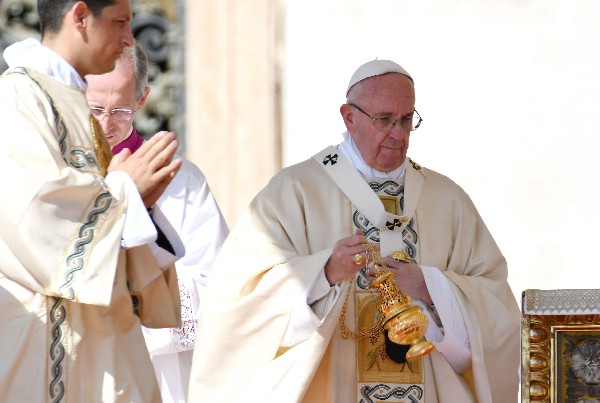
<point>560,333</point>
<point>400,255</point>
<point>103,151</point>
<point>359,259</point>
<point>405,323</point>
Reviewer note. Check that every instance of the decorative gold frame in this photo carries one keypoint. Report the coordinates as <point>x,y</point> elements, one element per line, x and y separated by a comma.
<point>560,346</point>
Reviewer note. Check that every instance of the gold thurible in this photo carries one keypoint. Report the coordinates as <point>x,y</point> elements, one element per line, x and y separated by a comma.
<point>404,322</point>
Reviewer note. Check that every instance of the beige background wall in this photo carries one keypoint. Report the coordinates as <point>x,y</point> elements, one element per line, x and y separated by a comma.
<point>232,124</point>
<point>510,96</point>
<point>509,91</point>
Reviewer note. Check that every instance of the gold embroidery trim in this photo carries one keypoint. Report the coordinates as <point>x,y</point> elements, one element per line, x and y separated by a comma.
<point>101,146</point>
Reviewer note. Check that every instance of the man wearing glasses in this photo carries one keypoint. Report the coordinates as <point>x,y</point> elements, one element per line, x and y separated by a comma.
<point>79,268</point>
<point>188,205</point>
<point>293,312</point>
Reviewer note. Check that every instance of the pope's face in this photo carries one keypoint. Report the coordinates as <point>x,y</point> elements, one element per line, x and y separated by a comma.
<point>115,90</point>
<point>388,95</point>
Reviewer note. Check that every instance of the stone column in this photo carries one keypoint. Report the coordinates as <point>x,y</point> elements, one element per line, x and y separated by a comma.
<point>233,96</point>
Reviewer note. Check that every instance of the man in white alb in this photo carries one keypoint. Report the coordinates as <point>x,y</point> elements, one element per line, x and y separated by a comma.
<point>187,204</point>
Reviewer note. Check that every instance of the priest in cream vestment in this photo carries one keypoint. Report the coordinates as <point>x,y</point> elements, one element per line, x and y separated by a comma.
<point>79,271</point>
<point>289,314</point>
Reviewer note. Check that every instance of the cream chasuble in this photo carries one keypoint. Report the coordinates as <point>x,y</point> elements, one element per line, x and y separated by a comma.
<point>279,246</point>
<point>379,378</point>
<point>67,323</point>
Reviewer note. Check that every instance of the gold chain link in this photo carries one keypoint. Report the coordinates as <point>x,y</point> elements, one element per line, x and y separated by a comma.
<point>372,333</point>
<point>374,260</point>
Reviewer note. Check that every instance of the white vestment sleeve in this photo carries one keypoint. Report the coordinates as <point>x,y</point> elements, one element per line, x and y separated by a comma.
<point>310,309</point>
<point>451,339</point>
<point>190,218</point>
<point>139,228</point>
<point>162,256</point>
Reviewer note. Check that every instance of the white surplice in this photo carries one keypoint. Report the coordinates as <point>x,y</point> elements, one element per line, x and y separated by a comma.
<point>194,215</point>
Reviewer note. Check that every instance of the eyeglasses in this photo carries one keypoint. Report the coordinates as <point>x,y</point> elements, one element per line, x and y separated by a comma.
<point>116,113</point>
<point>387,123</point>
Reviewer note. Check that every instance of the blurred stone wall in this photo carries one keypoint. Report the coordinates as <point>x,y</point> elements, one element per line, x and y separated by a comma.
<point>215,79</point>
<point>157,26</point>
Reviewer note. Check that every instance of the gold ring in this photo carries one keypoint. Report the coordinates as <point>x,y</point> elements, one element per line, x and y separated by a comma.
<point>400,256</point>
<point>359,259</point>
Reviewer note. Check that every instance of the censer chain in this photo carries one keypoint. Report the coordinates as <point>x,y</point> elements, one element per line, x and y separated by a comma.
<point>372,334</point>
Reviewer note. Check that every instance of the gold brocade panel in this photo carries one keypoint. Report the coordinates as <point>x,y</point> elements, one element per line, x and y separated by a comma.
<point>381,379</point>
<point>372,361</point>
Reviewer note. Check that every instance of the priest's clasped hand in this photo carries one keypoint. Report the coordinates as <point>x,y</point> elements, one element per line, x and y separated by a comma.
<point>151,167</point>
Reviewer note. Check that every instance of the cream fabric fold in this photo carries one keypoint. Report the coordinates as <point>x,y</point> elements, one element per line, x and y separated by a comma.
<point>275,250</point>
<point>67,320</point>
